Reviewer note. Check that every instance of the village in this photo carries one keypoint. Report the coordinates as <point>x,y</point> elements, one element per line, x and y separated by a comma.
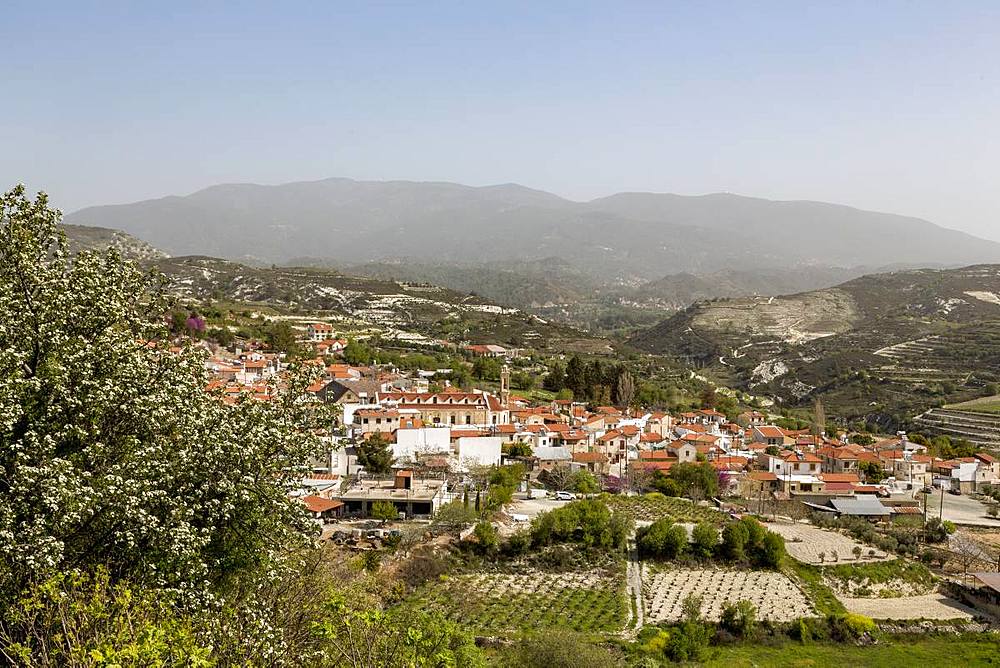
<point>875,525</point>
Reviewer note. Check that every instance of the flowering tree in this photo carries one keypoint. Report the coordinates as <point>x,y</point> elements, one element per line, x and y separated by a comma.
<point>111,451</point>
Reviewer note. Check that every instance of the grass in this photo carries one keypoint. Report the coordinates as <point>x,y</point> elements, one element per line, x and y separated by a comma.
<point>963,651</point>
<point>981,405</point>
<point>655,506</point>
<point>810,578</point>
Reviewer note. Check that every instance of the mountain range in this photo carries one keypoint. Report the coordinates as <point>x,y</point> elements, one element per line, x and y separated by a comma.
<point>625,239</point>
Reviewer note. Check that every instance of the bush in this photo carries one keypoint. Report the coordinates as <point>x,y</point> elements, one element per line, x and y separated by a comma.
<point>740,618</point>
<point>588,522</point>
<point>770,552</point>
<point>850,627</point>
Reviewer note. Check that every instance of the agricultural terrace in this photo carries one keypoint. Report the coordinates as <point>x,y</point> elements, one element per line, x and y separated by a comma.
<point>655,506</point>
<point>812,545</point>
<point>776,597</point>
<point>586,601</point>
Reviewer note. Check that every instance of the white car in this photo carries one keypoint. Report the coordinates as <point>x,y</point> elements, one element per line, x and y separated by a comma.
<point>565,496</point>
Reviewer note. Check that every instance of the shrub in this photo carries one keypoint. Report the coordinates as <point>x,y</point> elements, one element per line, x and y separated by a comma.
<point>850,627</point>
<point>740,618</point>
<point>588,522</point>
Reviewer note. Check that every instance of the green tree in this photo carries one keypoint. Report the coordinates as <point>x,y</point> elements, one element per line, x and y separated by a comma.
<point>734,541</point>
<point>281,337</point>
<point>487,538</point>
<point>584,482</point>
<point>486,368</point>
<point>624,388</point>
<point>384,511</point>
<point>696,481</point>
<point>872,471</point>
<point>372,637</point>
<point>662,539</point>
<point>358,354</point>
<point>576,377</point>
<point>704,540</point>
<point>375,454</point>
<point>555,379</point>
<point>111,451</point>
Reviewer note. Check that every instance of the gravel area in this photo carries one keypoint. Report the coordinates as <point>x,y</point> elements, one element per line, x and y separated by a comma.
<point>804,542</point>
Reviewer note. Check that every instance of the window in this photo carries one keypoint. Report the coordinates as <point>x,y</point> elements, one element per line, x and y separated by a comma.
<point>468,419</point>
<point>452,419</point>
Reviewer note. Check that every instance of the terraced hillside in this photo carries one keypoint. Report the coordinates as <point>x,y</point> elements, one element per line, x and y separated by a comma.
<point>883,348</point>
<point>982,429</point>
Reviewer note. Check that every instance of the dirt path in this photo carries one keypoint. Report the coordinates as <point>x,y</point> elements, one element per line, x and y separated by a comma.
<point>633,579</point>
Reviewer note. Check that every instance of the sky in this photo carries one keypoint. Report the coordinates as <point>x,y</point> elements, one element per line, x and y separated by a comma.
<point>890,106</point>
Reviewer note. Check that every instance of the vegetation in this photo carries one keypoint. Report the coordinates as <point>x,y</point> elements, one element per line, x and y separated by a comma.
<point>589,523</point>
<point>654,506</point>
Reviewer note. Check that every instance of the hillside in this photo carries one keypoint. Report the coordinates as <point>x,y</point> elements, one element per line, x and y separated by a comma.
<point>883,347</point>
<point>97,238</point>
<point>630,237</point>
<point>413,313</point>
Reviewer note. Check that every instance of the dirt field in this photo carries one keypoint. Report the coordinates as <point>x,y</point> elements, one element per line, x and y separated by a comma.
<point>775,596</point>
<point>805,542</point>
<point>929,606</point>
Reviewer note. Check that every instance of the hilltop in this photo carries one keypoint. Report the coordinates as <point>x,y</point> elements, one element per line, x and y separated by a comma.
<point>881,347</point>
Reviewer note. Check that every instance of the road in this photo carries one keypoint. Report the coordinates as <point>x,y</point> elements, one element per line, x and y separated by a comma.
<point>960,510</point>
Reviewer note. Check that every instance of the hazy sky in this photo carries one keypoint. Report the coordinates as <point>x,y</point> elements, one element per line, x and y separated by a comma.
<point>892,106</point>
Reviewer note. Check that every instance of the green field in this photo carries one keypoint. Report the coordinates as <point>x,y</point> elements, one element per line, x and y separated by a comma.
<point>983,405</point>
<point>652,507</point>
<point>896,653</point>
<point>494,603</point>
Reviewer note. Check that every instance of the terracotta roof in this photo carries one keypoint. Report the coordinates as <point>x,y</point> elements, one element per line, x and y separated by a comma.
<point>588,457</point>
<point>318,504</point>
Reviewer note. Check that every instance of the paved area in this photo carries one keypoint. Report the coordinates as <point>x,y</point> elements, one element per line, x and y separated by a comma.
<point>533,507</point>
<point>805,543</point>
<point>929,606</point>
<point>960,510</point>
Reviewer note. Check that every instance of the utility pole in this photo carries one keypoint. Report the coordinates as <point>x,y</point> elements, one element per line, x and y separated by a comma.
<point>941,512</point>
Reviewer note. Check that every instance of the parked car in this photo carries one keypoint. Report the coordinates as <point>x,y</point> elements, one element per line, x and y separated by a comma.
<point>565,496</point>
<point>956,491</point>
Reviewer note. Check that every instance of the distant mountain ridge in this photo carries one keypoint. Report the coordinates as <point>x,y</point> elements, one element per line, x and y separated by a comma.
<point>628,236</point>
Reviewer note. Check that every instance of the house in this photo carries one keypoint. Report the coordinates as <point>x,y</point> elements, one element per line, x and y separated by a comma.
<point>683,450</point>
<point>751,419</point>
<point>768,435</point>
<point>593,461</point>
<point>838,460</point>
<point>913,468</point>
<point>368,420</point>
<point>451,407</point>
<point>319,331</point>
<point>323,508</point>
